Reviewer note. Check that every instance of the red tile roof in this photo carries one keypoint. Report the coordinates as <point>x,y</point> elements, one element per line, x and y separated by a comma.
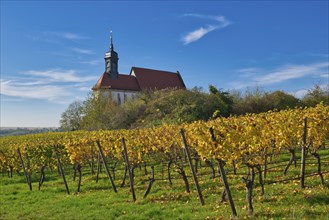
<point>141,79</point>
<point>156,79</point>
<point>124,82</point>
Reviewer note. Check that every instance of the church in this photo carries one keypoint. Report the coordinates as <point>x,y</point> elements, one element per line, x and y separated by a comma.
<point>122,87</point>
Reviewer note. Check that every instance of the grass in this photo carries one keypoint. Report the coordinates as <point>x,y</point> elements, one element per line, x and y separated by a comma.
<point>282,200</point>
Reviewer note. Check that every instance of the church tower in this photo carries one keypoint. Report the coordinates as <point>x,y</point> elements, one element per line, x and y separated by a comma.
<point>111,61</point>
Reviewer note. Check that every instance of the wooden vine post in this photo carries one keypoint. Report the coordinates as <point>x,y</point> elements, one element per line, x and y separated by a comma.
<point>10,172</point>
<point>105,165</point>
<point>150,183</point>
<point>27,166</point>
<point>128,168</point>
<point>124,175</point>
<point>98,166</point>
<point>187,150</point>
<point>223,176</point>
<point>92,159</point>
<point>28,180</point>
<point>168,170</point>
<point>61,169</point>
<point>265,163</point>
<point>80,175</point>
<point>210,164</point>
<point>42,176</point>
<point>261,182</point>
<point>317,157</point>
<point>303,156</point>
<point>249,181</point>
<point>291,160</point>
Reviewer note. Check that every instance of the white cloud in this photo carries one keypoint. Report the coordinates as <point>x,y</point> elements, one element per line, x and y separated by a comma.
<point>65,35</point>
<point>69,36</point>
<point>48,92</point>
<point>262,77</point>
<point>197,34</point>
<point>58,75</point>
<point>85,89</point>
<point>92,62</point>
<point>300,93</point>
<point>82,51</point>
<point>56,36</point>
<point>220,22</point>
<point>248,72</point>
<point>54,85</point>
<point>291,72</point>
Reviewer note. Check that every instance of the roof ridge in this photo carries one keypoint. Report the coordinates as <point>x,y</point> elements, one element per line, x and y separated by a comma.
<point>134,67</point>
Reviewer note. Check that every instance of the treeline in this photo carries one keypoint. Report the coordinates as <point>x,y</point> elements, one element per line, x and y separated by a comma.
<point>178,106</point>
<point>23,131</point>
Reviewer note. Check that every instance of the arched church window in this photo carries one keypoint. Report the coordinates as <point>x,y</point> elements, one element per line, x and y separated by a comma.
<point>119,99</point>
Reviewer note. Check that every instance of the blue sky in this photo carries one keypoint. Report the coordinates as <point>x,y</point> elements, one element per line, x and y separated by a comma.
<point>52,52</point>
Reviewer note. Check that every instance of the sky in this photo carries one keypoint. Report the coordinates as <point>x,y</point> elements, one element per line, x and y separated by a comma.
<point>52,53</point>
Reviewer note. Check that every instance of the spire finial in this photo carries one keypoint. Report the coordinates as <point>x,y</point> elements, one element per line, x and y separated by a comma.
<point>111,40</point>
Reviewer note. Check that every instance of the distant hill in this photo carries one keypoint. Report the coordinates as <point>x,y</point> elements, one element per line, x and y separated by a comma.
<point>16,131</point>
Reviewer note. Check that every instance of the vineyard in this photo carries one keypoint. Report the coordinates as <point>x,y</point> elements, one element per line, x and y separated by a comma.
<point>250,147</point>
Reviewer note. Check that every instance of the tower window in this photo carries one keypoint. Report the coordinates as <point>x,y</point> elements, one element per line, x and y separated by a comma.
<point>108,66</point>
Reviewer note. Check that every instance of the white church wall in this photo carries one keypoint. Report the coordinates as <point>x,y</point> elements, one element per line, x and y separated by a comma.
<point>120,96</point>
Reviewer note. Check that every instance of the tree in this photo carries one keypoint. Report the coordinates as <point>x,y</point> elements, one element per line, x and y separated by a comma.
<point>101,112</point>
<point>72,117</point>
<point>280,100</point>
<point>257,100</point>
<point>316,95</point>
<point>251,102</point>
<point>225,97</point>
